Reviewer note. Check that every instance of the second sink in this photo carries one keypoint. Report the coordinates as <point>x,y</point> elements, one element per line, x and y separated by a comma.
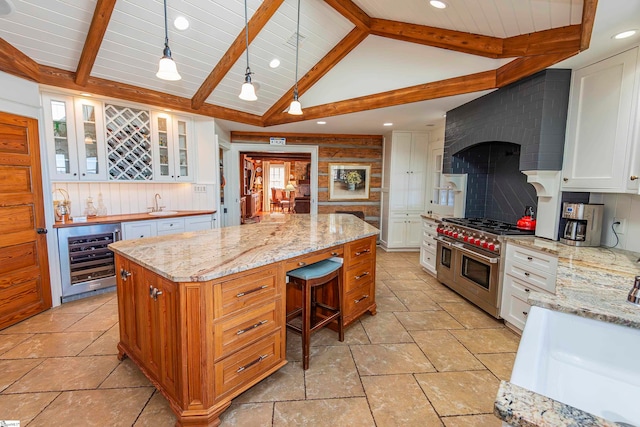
<point>163,213</point>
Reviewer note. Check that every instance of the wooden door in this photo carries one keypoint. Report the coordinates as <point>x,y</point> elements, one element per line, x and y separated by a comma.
<point>25,289</point>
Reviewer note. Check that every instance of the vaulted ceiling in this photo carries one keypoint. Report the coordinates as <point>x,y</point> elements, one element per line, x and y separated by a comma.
<point>355,55</point>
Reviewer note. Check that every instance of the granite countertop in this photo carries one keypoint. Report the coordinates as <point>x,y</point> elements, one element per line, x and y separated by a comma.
<point>593,283</point>
<point>435,217</point>
<point>110,219</point>
<point>209,254</point>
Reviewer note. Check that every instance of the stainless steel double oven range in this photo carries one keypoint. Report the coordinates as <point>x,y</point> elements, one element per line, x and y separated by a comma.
<point>470,258</point>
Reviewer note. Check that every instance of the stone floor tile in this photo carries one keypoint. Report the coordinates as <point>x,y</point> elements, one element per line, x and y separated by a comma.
<point>88,408</point>
<point>390,359</point>
<point>127,374</point>
<point>471,316</point>
<point>287,383</point>
<point>353,334</point>
<point>398,400</point>
<point>247,414</point>
<point>488,340</point>
<point>85,305</point>
<point>382,290</point>
<point>107,343</point>
<point>382,274</point>
<point>101,319</point>
<point>332,373</point>
<point>352,412</point>
<point>389,303</point>
<point>156,413</point>
<point>12,370</point>
<point>445,352</point>
<point>427,320</point>
<point>501,364</point>
<point>460,393</point>
<point>66,373</point>
<point>49,321</point>
<point>385,328</point>
<point>417,300</point>
<point>486,420</point>
<point>444,294</point>
<point>52,345</point>
<point>406,285</point>
<point>9,341</point>
<point>24,407</point>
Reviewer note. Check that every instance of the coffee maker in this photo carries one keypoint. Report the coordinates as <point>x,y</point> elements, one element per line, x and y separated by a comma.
<point>584,224</point>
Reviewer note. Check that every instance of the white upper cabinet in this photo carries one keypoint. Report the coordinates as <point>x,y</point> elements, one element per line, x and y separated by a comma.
<point>600,146</point>
<point>173,152</point>
<point>408,171</point>
<point>74,138</point>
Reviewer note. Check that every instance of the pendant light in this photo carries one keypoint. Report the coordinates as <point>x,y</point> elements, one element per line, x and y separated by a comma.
<point>295,108</point>
<point>248,92</point>
<point>167,69</point>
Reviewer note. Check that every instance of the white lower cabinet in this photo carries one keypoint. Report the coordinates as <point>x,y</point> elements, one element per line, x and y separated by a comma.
<point>405,231</point>
<point>161,227</point>
<point>429,245</point>
<point>525,270</point>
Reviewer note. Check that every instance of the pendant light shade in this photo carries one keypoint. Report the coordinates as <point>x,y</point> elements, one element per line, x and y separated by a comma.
<point>248,92</point>
<point>295,109</point>
<point>167,69</point>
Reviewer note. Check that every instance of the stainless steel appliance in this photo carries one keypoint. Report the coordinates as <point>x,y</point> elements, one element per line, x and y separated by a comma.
<point>584,224</point>
<point>469,258</point>
<point>86,263</point>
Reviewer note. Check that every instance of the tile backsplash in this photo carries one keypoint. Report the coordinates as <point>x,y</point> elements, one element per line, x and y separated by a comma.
<point>128,198</point>
<point>622,207</point>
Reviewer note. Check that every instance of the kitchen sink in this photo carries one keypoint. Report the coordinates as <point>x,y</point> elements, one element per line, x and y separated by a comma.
<point>586,363</point>
<point>163,213</point>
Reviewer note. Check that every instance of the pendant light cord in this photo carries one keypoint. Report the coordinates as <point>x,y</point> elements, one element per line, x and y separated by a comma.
<point>295,90</point>
<point>246,33</point>
<point>166,31</point>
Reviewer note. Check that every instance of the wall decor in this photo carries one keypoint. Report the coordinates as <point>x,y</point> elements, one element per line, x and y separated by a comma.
<point>349,181</point>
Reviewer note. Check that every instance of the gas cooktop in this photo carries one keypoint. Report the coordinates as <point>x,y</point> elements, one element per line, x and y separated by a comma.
<point>490,226</point>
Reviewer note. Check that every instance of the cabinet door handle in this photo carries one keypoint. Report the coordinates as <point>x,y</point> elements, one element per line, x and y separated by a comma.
<point>41,230</point>
<point>364,297</point>
<point>366,273</point>
<point>527,290</point>
<point>527,274</point>
<point>525,313</point>
<point>366,251</point>
<point>334,254</point>
<point>154,292</point>
<point>529,258</point>
<point>242,331</point>
<point>302,263</point>
<point>633,177</point>
<point>250,364</point>
<point>565,179</point>
<point>124,274</point>
<point>241,294</point>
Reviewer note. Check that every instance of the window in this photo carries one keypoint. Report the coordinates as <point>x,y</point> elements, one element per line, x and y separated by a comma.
<point>276,176</point>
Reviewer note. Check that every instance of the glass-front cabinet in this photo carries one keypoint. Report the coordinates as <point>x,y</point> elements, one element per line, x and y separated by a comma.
<point>172,157</point>
<point>90,140</point>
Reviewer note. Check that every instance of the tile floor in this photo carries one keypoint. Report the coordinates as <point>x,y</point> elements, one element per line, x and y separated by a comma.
<point>428,358</point>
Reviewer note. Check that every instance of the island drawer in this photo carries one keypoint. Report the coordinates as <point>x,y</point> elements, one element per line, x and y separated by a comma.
<point>233,333</point>
<point>243,367</point>
<point>245,290</point>
<point>360,250</point>
<point>170,226</point>
<point>301,261</point>
<point>359,275</point>
<point>358,300</point>
<point>531,276</point>
<point>547,263</point>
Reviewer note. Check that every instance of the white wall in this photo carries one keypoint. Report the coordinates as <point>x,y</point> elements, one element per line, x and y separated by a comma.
<point>622,207</point>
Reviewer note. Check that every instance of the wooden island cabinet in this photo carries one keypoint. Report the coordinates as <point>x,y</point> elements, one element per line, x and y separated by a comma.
<point>206,326</point>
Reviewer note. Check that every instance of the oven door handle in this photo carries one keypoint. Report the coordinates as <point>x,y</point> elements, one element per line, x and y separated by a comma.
<point>444,242</point>
<point>489,259</point>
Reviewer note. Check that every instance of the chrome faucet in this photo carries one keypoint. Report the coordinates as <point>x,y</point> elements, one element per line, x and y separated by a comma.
<point>156,208</point>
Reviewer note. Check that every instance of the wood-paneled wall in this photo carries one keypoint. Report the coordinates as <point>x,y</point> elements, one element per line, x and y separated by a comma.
<point>361,149</point>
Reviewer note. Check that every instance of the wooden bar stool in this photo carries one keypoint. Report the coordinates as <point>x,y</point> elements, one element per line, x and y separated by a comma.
<point>309,279</point>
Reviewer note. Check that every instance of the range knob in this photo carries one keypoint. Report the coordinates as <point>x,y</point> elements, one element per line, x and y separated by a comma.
<point>485,244</point>
<point>466,238</point>
<point>476,241</point>
<point>492,246</point>
<point>456,234</point>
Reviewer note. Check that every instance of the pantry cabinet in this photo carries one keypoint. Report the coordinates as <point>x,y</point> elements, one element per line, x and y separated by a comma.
<point>601,148</point>
<point>172,148</point>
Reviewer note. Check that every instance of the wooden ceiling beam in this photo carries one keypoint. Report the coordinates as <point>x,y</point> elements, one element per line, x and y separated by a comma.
<point>523,67</point>
<point>556,40</point>
<point>259,19</point>
<point>588,18</point>
<point>352,12</point>
<point>65,79</point>
<point>335,55</point>
<point>13,61</point>
<point>475,44</point>
<point>99,24</point>
<point>455,86</point>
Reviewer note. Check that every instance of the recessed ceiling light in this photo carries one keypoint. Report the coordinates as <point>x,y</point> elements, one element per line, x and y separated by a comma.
<point>275,63</point>
<point>625,34</point>
<point>6,7</point>
<point>181,23</point>
<point>438,4</point>
<point>387,124</point>
<point>321,123</point>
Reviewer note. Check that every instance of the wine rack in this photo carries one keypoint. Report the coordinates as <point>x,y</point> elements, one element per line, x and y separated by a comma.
<point>128,143</point>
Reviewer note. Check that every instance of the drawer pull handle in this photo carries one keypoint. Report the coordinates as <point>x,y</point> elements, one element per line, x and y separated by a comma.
<point>334,254</point>
<point>242,331</point>
<point>361,299</point>
<point>154,292</point>
<point>302,263</point>
<point>527,274</point>
<point>366,251</point>
<point>366,273</point>
<point>526,290</point>
<point>525,313</point>
<point>124,274</point>
<point>633,177</point>
<point>250,364</point>
<point>529,258</point>
<point>241,294</point>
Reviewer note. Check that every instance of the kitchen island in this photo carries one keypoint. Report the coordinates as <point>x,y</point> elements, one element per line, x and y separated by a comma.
<point>203,313</point>
<point>591,283</point>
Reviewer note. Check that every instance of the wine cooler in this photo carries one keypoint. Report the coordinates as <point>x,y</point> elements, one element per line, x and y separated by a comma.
<point>86,263</point>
